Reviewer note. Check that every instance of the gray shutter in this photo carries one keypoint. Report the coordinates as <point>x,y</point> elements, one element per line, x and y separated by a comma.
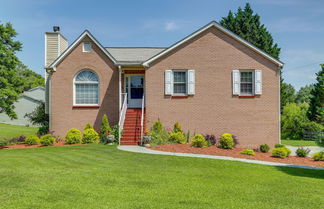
<point>258,82</point>
<point>168,82</point>
<point>236,82</point>
<point>191,82</point>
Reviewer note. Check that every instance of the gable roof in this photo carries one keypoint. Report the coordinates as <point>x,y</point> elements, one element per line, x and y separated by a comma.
<point>133,54</point>
<point>75,43</point>
<point>221,28</point>
<point>37,94</point>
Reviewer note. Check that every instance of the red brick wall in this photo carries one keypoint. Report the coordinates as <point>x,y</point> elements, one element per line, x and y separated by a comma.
<point>63,115</point>
<point>213,109</point>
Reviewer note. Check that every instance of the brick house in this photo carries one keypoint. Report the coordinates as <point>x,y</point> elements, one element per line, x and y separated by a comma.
<point>211,82</point>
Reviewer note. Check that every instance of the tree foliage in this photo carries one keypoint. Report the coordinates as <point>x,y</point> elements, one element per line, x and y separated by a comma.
<point>248,26</point>
<point>14,76</point>
<point>38,116</point>
<point>304,94</point>
<point>287,94</point>
<point>316,108</point>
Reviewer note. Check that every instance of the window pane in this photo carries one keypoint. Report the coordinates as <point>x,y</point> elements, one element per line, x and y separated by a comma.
<point>179,77</point>
<point>246,76</point>
<point>180,88</point>
<point>87,47</point>
<point>86,94</point>
<point>87,76</point>
<point>246,88</point>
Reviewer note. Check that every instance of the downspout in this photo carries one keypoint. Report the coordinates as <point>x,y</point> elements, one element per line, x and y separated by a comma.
<point>119,87</point>
<point>280,72</point>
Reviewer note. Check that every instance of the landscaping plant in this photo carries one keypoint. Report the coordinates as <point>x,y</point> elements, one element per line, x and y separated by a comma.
<point>302,152</point>
<point>281,152</point>
<point>177,137</point>
<point>264,148</point>
<point>211,139</point>
<point>90,136</point>
<point>104,128</point>
<point>226,141</point>
<point>32,140</point>
<point>43,130</point>
<point>47,140</point>
<point>73,136</point>
<point>248,152</point>
<point>87,126</point>
<point>115,131</point>
<point>318,156</point>
<point>158,133</point>
<point>177,128</point>
<point>199,141</point>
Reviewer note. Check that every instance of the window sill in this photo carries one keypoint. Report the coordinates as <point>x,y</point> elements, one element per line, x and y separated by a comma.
<point>179,96</point>
<point>86,106</point>
<point>246,96</point>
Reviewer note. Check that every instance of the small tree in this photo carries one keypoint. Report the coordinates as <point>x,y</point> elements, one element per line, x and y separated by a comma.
<point>87,126</point>
<point>104,128</point>
<point>38,116</point>
<point>316,108</point>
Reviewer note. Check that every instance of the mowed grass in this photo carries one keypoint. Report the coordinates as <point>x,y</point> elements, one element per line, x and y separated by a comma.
<point>99,176</point>
<point>298,143</point>
<point>10,131</point>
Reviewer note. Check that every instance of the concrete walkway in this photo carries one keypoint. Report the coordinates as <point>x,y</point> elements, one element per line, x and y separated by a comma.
<point>313,149</point>
<point>139,149</point>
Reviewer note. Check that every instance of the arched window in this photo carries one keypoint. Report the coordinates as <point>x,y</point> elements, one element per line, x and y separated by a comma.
<point>86,88</point>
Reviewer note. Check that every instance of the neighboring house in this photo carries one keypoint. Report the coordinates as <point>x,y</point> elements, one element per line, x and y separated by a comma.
<point>211,82</point>
<point>27,103</point>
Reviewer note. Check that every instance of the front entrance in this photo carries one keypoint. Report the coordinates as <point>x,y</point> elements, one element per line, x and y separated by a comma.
<point>134,87</point>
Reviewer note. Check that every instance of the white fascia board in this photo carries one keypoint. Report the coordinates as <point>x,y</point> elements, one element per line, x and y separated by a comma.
<point>218,26</point>
<point>74,44</point>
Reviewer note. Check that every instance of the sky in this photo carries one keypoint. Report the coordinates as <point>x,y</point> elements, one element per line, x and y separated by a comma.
<point>296,25</point>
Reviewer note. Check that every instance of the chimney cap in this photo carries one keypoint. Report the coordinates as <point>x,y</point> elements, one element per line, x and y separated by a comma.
<point>56,28</point>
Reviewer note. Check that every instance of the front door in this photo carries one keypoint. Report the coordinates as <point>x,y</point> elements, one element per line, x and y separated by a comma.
<point>134,87</point>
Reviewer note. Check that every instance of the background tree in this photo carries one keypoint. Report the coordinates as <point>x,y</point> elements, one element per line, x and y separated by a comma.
<point>304,94</point>
<point>287,94</point>
<point>38,116</point>
<point>316,106</point>
<point>247,25</point>
<point>14,76</point>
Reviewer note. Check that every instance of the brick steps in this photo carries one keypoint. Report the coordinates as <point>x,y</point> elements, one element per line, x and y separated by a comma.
<point>132,127</point>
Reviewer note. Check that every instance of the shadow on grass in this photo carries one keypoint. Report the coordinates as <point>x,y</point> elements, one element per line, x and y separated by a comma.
<point>301,172</point>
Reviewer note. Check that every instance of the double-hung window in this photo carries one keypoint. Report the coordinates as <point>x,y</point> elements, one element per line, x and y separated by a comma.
<point>179,82</point>
<point>86,88</point>
<point>246,83</point>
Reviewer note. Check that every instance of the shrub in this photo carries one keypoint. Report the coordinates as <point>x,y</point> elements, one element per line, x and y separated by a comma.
<point>226,141</point>
<point>158,134</point>
<point>32,140</point>
<point>104,128</point>
<point>318,156</point>
<point>177,137</point>
<point>177,127</point>
<point>199,141</point>
<point>211,139</point>
<point>248,152</point>
<point>47,140</point>
<point>17,140</point>
<point>90,136</point>
<point>43,130</point>
<point>73,136</point>
<point>302,152</point>
<point>281,152</point>
<point>87,126</point>
<point>264,148</point>
<point>279,145</point>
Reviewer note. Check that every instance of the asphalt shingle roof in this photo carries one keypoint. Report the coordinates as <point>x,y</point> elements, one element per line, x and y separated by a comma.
<point>133,54</point>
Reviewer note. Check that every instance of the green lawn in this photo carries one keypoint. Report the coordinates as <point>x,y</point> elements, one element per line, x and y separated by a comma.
<point>298,143</point>
<point>10,131</point>
<point>99,176</point>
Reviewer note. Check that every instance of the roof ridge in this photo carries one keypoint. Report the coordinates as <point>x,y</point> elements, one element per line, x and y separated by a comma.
<point>136,47</point>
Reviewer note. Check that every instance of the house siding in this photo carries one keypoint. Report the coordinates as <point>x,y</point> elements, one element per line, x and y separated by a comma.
<point>63,116</point>
<point>213,109</point>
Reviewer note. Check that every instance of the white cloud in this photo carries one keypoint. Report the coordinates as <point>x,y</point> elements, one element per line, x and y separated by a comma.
<point>169,26</point>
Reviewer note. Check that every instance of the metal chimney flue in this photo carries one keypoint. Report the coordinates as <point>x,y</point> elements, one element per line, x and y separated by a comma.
<point>56,28</point>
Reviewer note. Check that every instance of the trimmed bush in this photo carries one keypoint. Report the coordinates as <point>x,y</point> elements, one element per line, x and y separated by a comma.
<point>318,156</point>
<point>211,139</point>
<point>87,126</point>
<point>177,127</point>
<point>47,140</point>
<point>32,140</point>
<point>104,128</point>
<point>248,152</point>
<point>73,136</point>
<point>279,145</point>
<point>90,136</point>
<point>43,130</point>
<point>199,141</point>
<point>264,148</point>
<point>302,152</point>
<point>281,152</point>
<point>177,137</point>
<point>158,134</point>
<point>226,141</point>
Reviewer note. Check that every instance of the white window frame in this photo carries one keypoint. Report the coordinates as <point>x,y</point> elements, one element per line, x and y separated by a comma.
<point>85,82</point>
<point>83,47</point>
<point>253,83</point>
<point>186,76</point>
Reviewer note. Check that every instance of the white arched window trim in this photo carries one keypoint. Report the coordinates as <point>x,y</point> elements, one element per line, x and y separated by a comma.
<point>86,88</point>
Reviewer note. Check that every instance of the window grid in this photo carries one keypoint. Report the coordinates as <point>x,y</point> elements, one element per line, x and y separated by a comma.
<point>86,88</point>
<point>246,82</point>
<point>179,82</point>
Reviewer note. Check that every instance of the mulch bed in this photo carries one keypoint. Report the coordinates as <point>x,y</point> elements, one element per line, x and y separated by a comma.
<point>21,146</point>
<point>213,150</point>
